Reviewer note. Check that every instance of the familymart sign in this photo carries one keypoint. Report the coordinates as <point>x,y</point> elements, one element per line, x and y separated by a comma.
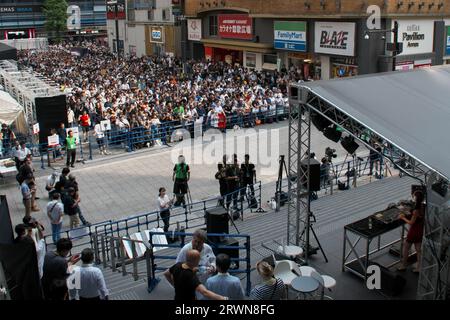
<point>290,35</point>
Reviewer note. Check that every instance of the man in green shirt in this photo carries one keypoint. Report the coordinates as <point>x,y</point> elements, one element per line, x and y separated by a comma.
<point>181,175</point>
<point>71,143</point>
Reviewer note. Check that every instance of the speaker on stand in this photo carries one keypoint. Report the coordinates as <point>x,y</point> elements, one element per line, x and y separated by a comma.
<point>217,222</point>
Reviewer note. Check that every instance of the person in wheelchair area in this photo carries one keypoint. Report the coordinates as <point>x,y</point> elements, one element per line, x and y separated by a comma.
<point>181,176</point>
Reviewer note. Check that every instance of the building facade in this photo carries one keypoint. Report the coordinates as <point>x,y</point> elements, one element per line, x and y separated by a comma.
<point>25,19</point>
<point>147,28</point>
<point>324,39</point>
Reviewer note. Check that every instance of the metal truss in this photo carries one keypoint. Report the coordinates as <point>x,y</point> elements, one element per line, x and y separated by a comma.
<point>25,86</point>
<point>433,281</point>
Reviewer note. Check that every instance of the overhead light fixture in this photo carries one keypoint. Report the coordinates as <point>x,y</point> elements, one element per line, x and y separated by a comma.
<point>320,122</point>
<point>323,4</point>
<point>333,133</point>
<point>440,5</point>
<point>399,4</point>
<point>421,5</point>
<point>431,5</point>
<point>349,144</point>
<point>410,5</point>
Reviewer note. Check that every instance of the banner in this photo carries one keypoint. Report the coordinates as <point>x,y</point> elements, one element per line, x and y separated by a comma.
<point>194,29</point>
<point>36,128</point>
<point>235,26</point>
<point>290,35</point>
<point>111,10</point>
<point>53,140</point>
<point>447,50</point>
<point>336,38</point>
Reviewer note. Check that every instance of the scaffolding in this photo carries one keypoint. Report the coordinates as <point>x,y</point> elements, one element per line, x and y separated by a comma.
<point>25,86</point>
<point>434,277</point>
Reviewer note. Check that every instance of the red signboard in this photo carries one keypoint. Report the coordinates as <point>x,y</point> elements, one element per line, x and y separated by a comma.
<point>236,26</point>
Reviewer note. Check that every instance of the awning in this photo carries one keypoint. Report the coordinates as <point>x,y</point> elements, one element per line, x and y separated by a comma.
<point>10,109</point>
<point>239,45</point>
<point>411,109</point>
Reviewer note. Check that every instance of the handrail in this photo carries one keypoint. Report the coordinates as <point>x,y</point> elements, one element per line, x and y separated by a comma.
<point>190,221</point>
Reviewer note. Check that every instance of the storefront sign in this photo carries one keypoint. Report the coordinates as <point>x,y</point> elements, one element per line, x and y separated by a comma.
<point>404,66</point>
<point>111,10</point>
<point>194,29</point>
<point>156,34</point>
<point>447,51</point>
<point>416,35</point>
<point>336,38</point>
<point>235,26</point>
<point>20,9</point>
<point>290,35</point>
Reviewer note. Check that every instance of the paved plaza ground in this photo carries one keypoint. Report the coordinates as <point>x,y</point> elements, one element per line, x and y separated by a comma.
<point>126,184</point>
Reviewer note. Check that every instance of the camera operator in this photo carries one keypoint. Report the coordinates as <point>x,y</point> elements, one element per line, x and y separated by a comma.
<point>221,175</point>
<point>324,172</point>
<point>181,176</point>
<point>34,230</point>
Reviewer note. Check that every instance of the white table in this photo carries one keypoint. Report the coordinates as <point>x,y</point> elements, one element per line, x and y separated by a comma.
<point>6,171</point>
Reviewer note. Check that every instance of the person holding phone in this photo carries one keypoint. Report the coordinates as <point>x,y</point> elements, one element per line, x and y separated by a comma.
<point>56,267</point>
<point>164,204</point>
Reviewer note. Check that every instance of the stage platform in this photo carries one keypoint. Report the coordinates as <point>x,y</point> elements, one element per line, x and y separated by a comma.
<point>332,212</point>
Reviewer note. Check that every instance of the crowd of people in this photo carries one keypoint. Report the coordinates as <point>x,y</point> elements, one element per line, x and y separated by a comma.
<point>149,92</point>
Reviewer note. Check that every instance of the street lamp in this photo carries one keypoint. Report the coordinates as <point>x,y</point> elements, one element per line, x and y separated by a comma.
<point>395,47</point>
<point>115,4</point>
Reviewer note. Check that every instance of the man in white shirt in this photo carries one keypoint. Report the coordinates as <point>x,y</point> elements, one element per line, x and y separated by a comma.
<point>70,117</point>
<point>22,153</point>
<point>51,181</point>
<point>92,284</point>
<point>55,212</point>
<point>100,135</point>
<point>207,264</point>
<point>164,204</point>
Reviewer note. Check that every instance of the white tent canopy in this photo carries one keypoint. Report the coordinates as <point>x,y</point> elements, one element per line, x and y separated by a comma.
<point>410,109</point>
<point>11,112</point>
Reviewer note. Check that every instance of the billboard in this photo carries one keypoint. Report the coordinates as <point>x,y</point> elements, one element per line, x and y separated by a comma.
<point>336,38</point>
<point>290,35</point>
<point>235,26</point>
<point>194,29</point>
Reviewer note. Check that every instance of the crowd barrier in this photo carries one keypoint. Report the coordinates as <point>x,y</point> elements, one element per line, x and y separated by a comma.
<point>190,216</point>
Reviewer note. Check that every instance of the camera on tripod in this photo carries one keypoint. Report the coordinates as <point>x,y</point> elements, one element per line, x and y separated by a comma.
<point>330,154</point>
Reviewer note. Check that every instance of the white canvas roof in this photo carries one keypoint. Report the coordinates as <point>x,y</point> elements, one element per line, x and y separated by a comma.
<point>10,109</point>
<point>409,109</point>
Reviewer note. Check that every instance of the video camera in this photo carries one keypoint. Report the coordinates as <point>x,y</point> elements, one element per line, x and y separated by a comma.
<point>330,154</point>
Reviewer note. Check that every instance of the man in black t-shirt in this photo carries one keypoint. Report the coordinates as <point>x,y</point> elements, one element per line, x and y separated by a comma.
<point>182,276</point>
<point>248,174</point>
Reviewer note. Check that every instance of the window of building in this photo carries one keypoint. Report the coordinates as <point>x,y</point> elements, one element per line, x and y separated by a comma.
<point>250,61</point>
<point>213,25</point>
<point>151,14</point>
<point>166,14</point>
<point>270,58</point>
<point>131,14</point>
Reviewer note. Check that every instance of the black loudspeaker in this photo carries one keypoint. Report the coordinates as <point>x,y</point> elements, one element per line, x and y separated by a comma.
<point>349,144</point>
<point>50,112</point>
<point>233,253</point>
<point>314,174</point>
<point>392,283</point>
<point>217,222</point>
<point>321,123</point>
<point>332,134</point>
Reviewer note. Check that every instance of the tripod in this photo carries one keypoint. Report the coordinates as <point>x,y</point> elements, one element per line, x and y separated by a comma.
<point>308,249</point>
<point>282,165</point>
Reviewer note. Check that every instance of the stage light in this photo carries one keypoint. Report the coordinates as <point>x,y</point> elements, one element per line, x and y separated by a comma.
<point>349,144</point>
<point>333,133</point>
<point>320,122</point>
